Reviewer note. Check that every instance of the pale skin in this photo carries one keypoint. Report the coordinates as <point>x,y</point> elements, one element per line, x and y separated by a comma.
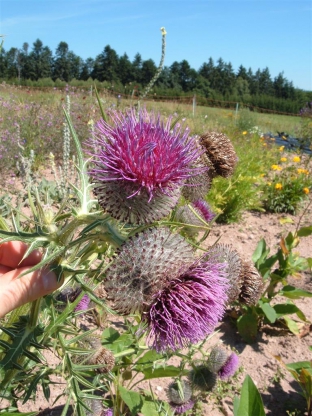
<point>16,290</point>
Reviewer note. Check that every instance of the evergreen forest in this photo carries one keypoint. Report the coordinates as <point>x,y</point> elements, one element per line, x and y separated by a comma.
<point>37,66</point>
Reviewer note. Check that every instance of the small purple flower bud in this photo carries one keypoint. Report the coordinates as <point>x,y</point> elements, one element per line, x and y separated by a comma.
<point>229,368</point>
<point>83,304</point>
<point>179,409</point>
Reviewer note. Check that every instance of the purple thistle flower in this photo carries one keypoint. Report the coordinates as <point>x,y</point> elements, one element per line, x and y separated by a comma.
<point>83,304</point>
<point>189,308</point>
<point>229,367</point>
<point>179,409</point>
<point>140,165</point>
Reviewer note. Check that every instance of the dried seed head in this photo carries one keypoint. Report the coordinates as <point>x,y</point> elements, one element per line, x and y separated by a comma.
<point>105,358</point>
<point>145,265</point>
<point>220,151</point>
<point>252,287</point>
<point>98,354</point>
<point>234,265</point>
<point>179,392</point>
<point>217,358</point>
<point>202,378</point>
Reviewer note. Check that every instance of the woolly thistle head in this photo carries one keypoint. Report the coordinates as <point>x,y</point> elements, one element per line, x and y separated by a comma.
<point>229,368</point>
<point>189,308</point>
<point>202,378</point>
<point>144,265</point>
<point>197,187</point>
<point>220,151</point>
<point>140,163</point>
<point>96,408</point>
<point>217,358</point>
<point>233,266</point>
<point>252,286</point>
<point>179,392</point>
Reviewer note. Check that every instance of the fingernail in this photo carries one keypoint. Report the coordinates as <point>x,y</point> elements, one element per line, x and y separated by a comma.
<point>50,282</point>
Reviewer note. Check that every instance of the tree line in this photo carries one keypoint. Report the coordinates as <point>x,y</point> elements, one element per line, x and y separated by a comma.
<point>38,66</point>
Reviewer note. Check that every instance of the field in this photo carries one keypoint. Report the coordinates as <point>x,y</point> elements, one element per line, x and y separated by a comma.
<point>268,197</point>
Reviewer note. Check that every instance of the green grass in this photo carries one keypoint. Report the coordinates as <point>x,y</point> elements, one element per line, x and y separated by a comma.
<point>35,120</point>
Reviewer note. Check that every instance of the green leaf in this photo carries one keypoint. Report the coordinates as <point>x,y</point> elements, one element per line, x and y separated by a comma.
<point>247,326</point>
<point>292,325</point>
<point>288,309</point>
<point>260,251</point>
<point>236,402</point>
<point>104,116</point>
<point>121,343</point>
<point>4,412</point>
<point>299,365</point>
<point>269,312</point>
<point>168,371</point>
<point>153,408</point>
<point>304,231</point>
<point>250,403</point>
<point>293,293</point>
<point>132,399</point>
<point>110,335</point>
<point>149,356</point>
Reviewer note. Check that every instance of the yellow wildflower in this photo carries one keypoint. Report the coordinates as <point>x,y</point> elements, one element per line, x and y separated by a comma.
<point>269,183</point>
<point>281,148</point>
<point>262,175</point>
<point>245,132</point>
<point>276,167</point>
<point>278,186</point>
<point>306,190</point>
<point>283,159</point>
<point>296,159</point>
<point>264,144</point>
<point>305,171</point>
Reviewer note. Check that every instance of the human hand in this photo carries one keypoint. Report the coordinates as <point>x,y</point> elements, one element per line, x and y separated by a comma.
<point>15,290</point>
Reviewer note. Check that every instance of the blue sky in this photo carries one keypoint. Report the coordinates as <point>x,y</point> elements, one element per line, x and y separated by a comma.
<point>255,33</point>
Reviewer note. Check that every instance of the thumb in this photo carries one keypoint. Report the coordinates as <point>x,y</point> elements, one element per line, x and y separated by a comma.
<point>16,290</point>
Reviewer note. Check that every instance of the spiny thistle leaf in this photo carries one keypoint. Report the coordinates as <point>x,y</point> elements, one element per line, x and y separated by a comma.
<point>21,336</point>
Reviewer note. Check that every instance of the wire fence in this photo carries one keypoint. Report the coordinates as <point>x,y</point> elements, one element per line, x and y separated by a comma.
<point>193,100</point>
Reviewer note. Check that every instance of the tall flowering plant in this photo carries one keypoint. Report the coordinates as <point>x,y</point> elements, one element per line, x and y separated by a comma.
<point>120,246</point>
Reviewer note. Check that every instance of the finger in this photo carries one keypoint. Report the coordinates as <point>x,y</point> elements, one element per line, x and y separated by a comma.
<point>4,269</point>
<point>17,291</point>
<point>12,252</point>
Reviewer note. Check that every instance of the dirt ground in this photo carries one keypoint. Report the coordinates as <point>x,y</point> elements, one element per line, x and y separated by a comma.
<point>279,392</point>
